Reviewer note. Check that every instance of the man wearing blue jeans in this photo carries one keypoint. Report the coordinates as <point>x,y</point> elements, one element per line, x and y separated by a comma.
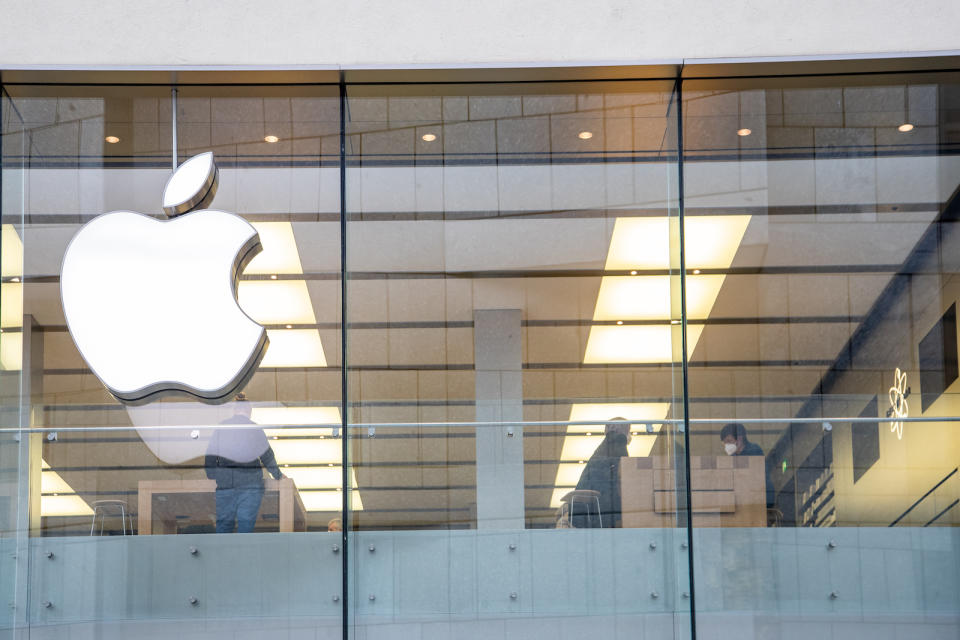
<point>235,459</point>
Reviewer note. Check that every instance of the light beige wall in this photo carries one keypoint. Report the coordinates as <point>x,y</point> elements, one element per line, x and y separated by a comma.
<point>387,33</point>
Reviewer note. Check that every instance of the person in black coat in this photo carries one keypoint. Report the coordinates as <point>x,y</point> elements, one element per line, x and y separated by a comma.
<point>602,474</point>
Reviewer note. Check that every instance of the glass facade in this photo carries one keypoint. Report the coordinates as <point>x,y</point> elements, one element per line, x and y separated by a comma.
<point>636,358</point>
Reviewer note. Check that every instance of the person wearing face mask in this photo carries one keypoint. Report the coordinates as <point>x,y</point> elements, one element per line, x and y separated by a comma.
<point>733,436</point>
<point>602,474</point>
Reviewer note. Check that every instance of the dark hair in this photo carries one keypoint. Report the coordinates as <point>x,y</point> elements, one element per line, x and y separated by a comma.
<point>734,429</point>
<point>617,425</point>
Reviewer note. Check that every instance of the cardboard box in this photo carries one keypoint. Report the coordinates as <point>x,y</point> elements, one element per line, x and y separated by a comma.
<point>726,491</point>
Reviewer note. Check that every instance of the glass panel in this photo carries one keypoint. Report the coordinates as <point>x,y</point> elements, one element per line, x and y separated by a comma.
<point>512,294</point>
<point>827,363</point>
<point>124,494</point>
<point>13,531</point>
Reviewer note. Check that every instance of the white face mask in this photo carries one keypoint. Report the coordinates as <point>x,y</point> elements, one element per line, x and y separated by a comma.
<point>730,448</point>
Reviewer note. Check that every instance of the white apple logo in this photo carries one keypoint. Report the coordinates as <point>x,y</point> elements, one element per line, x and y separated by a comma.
<point>152,305</point>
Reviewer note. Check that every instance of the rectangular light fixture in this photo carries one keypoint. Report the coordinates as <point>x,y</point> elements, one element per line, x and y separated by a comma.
<point>57,497</point>
<point>643,243</point>
<point>11,304</point>
<point>11,351</point>
<point>306,450</point>
<point>281,302</point>
<point>276,301</point>
<point>316,477</point>
<point>328,501</point>
<point>711,242</point>
<point>294,348</point>
<point>304,418</point>
<point>630,344</point>
<point>648,297</point>
<point>11,252</point>
<point>11,298</point>
<point>64,505</point>
<point>279,255</point>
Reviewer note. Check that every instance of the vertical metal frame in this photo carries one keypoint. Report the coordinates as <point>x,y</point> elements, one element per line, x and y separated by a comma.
<point>345,485</point>
<point>684,367</point>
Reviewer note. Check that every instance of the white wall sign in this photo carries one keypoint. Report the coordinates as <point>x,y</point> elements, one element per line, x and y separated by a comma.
<point>152,305</point>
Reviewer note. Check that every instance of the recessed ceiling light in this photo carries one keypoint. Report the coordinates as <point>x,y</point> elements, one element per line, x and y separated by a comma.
<point>580,462</point>
<point>696,272</point>
<point>905,127</point>
<point>589,433</point>
<point>273,276</point>
<point>619,321</point>
<point>289,326</point>
<point>14,279</point>
<point>428,137</point>
<point>112,139</point>
<point>674,322</point>
<point>633,273</point>
<point>271,139</point>
<point>585,135</point>
<point>744,132</point>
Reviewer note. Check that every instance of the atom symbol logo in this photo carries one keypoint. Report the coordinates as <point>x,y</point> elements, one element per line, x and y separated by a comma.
<point>898,402</point>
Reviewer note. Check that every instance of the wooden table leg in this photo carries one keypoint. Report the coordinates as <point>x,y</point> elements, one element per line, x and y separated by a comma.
<point>144,512</point>
<point>285,498</point>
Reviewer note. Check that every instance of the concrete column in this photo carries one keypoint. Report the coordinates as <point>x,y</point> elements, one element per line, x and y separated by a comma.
<point>499,398</point>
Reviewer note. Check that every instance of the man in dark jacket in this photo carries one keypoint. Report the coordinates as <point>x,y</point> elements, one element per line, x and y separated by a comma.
<point>602,474</point>
<point>733,437</point>
<point>235,459</point>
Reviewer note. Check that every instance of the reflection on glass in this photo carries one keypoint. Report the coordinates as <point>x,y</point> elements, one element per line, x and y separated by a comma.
<point>830,350</point>
<point>520,339</point>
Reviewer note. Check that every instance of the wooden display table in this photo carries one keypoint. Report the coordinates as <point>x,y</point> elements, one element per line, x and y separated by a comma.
<point>726,491</point>
<point>167,505</point>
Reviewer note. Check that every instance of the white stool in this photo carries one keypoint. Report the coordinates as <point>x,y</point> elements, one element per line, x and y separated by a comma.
<point>101,508</point>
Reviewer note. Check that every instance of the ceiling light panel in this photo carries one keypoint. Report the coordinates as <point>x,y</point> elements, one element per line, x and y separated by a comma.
<point>276,302</point>
<point>329,500</point>
<point>306,451</point>
<point>11,304</point>
<point>638,413</point>
<point>66,502</point>
<point>279,253</point>
<point>294,348</point>
<point>11,252</point>
<point>648,297</point>
<point>299,417</point>
<point>11,351</point>
<point>635,344</point>
<point>644,243</point>
<point>64,505</point>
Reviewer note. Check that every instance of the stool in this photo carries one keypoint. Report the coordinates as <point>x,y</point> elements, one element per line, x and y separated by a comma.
<point>101,509</point>
<point>585,497</point>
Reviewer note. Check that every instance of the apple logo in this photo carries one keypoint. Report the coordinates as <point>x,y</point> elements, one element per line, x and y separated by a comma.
<point>152,305</point>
